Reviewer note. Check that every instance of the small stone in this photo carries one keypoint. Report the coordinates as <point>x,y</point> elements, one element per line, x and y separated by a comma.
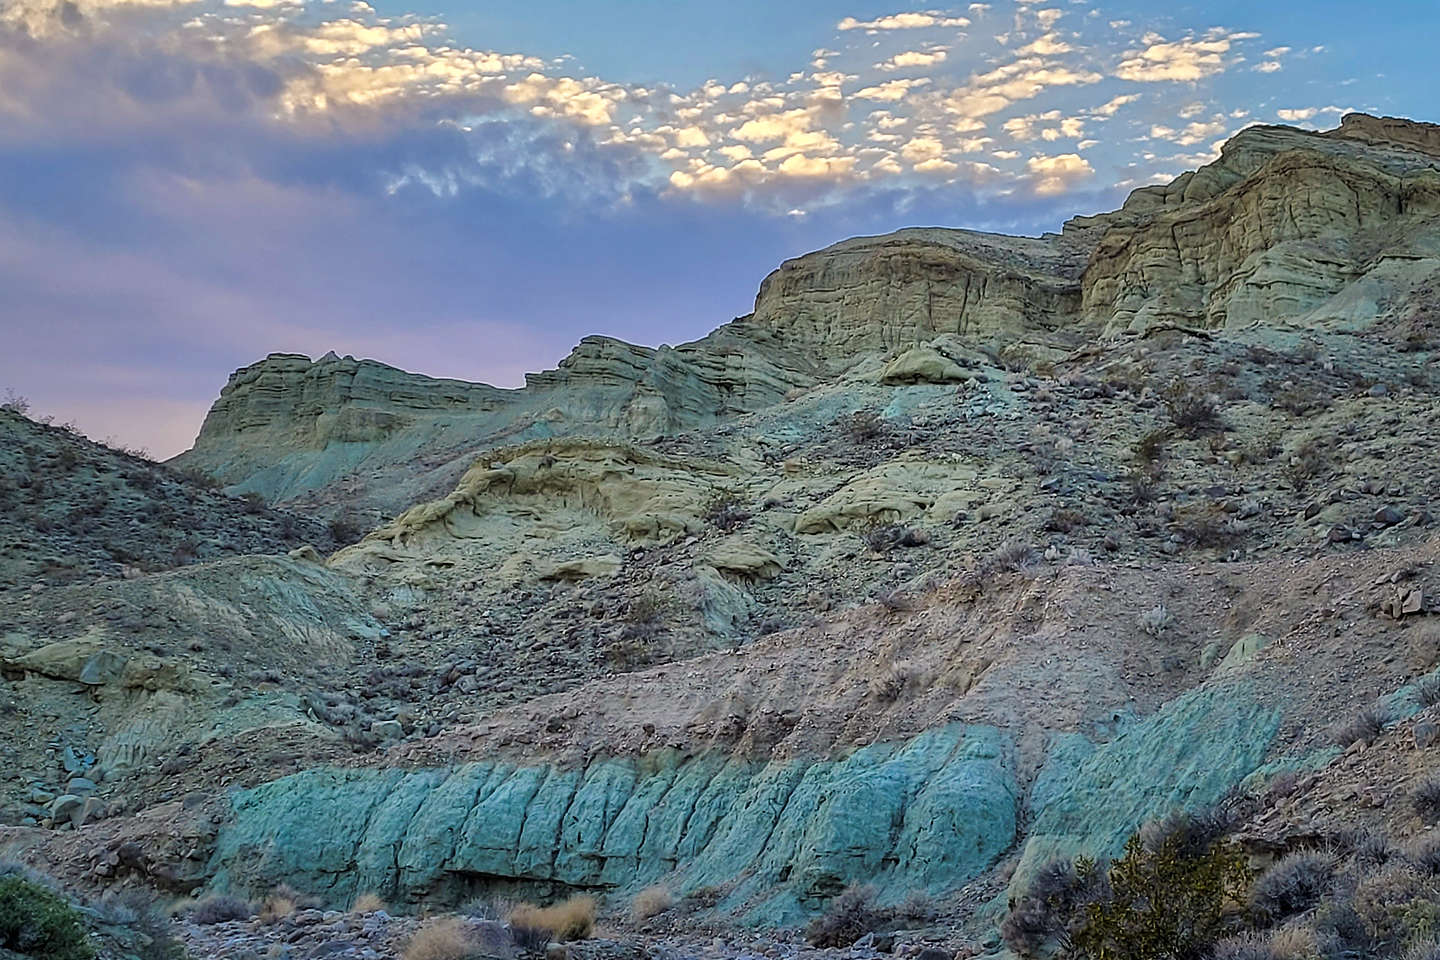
<point>1339,534</point>
<point>1389,516</point>
<point>81,786</point>
<point>1379,390</point>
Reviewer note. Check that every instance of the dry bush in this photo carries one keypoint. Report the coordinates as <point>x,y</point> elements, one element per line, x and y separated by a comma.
<point>277,907</point>
<point>891,682</point>
<point>1425,799</point>
<point>849,917</point>
<point>1293,885</point>
<point>651,902</point>
<point>367,903</point>
<point>573,919</point>
<point>1366,725</point>
<point>884,537</point>
<point>220,908</point>
<point>445,939</point>
<point>1155,621</point>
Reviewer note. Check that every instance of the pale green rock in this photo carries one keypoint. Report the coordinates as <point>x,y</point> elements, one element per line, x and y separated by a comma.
<point>1186,756</point>
<point>928,814</point>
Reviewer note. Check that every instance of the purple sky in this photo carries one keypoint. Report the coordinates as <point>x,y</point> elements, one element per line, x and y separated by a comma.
<point>460,190</point>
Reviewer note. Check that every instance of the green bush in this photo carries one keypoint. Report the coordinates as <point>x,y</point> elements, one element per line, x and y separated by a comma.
<point>40,924</point>
<point>1166,900</point>
<point>1169,897</point>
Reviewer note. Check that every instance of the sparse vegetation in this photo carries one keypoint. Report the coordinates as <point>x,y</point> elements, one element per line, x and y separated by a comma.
<point>1365,726</point>
<point>1155,621</point>
<point>849,916</point>
<point>1425,799</point>
<point>884,537</point>
<point>572,919</point>
<point>448,938</point>
<point>1190,408</point>
<point>725,514</point>
<point>39,923</point>
<point>1293,885</point>
<point>220,908</point>
<point>367,903</point>
<point>650,902</point>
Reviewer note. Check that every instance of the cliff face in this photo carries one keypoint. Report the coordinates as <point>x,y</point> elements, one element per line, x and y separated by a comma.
<point>1337,230</point>
<point>1284,222</point>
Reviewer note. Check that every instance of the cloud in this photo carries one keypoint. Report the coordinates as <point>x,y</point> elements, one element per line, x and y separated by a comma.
<point>1297,115</point>
<point>1186,60</point>
<point>905,21</point>
<point>1055,175</point>
<point>913,58</point>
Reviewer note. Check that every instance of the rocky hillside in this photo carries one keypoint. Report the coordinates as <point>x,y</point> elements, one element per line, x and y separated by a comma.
<point>960,554</point>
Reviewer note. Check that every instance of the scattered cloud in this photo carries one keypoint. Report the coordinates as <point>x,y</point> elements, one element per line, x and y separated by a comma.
<point>1186,60</point>
<point>904,21</point>
<point>1054,175</point>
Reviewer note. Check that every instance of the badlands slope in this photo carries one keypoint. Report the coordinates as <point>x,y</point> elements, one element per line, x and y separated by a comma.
<point>959,553</point>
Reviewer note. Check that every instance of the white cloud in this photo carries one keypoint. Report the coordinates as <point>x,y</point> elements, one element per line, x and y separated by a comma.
<point>913,58</point>
<point>1054,175</point>
<point>904,21</point>
<point>1296,116</point>
<point>1182,60</point>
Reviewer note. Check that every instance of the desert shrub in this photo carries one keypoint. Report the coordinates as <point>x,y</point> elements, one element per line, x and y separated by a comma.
<point>219,908</point>
<point>892,681</point>
<point>1305,464</point>
<point>1012,556</point>
<point>1372,849</point>
<point>849,916</point>
<point>1300,399</point>
<point>650,902</point>
<point>1204,524</point>
<point>367,903</point>
<point>445,939</point>
<point>1065,520</point>
<point>725,513</point>
<point>41,924</point>
<point>573,919</point>
<point>863,426</point>
<point>1293,885</point>
<point>1249,945</point>
<point>1155,621</point>
<point>254,503</point>
<point>346,529</point>
<point>1424,856</point>
<point>1190,408</point>
<point>276,907</point>
<point>199,478</point>
<point>531,940</point>
<point>1425,799</point>
<point>1052,907</point>
<point>1366,725</point>
<point>495,909</point>
<point>1427,691</point>
<point>1165,897</point>
<point>15,403</point>
<point>1394,907</point>
<point>884,537</point>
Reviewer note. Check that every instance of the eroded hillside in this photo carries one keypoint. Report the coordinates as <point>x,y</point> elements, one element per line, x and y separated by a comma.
<point>960,553</point>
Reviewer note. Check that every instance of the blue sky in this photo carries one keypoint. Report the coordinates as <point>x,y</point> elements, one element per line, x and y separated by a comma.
<point>467,189</point>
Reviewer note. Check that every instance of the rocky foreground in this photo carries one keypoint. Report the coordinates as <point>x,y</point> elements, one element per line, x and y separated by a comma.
<point>962,555</point>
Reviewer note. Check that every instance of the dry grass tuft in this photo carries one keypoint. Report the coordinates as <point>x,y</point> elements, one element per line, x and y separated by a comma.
<point>650,902</point>
<point>445,939</point>
<point>276,907</point>
<point>573,919</point>
<point>367,903</point>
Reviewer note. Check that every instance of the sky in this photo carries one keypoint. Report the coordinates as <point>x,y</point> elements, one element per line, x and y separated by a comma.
<point>465,189</point>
